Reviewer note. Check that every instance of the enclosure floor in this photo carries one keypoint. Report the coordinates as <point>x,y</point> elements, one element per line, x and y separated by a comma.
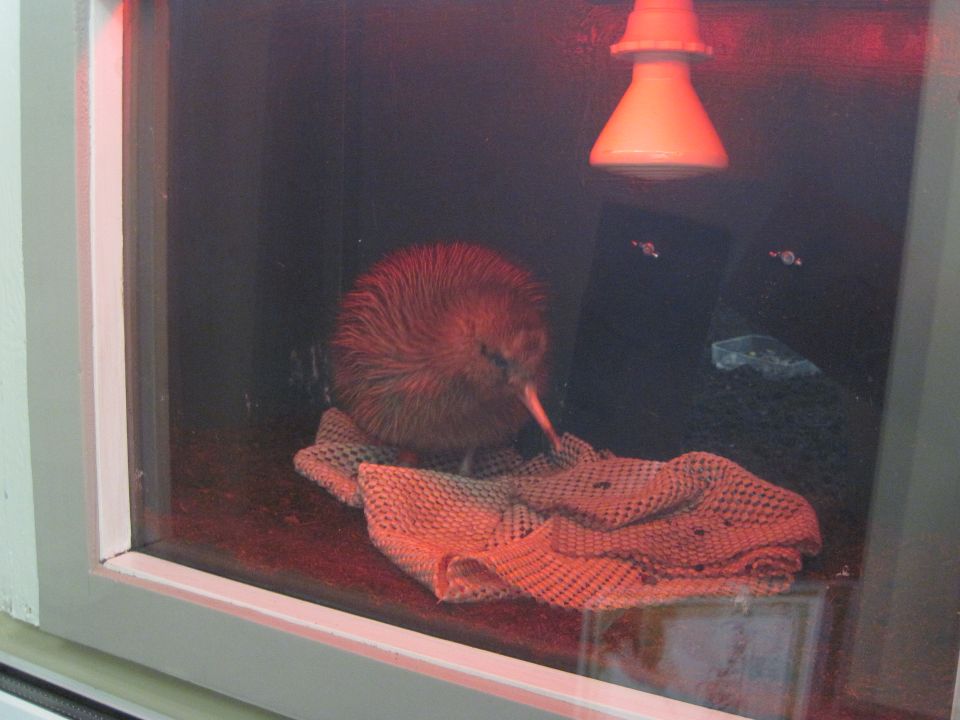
<point>238,509</point>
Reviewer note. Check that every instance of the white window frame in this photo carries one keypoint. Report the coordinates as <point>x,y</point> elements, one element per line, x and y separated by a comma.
<point>290,656</point>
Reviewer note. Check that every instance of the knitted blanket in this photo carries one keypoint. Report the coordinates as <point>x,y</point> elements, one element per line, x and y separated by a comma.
<point>577,529</point>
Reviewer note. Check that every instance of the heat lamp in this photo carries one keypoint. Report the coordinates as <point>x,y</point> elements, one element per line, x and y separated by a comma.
<point>660,130</point>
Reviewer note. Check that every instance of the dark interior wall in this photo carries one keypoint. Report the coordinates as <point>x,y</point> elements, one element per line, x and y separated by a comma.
<point>833,93</point>
<point>308,138</point>
<point>256,202</point>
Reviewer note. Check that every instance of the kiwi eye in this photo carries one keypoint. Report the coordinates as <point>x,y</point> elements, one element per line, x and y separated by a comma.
<point>499,361</point>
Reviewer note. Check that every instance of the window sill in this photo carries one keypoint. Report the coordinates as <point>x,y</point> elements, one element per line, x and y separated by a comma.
<point>111,681</point>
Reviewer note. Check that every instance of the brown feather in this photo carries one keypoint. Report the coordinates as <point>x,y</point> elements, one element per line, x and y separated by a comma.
<point>434,347</point>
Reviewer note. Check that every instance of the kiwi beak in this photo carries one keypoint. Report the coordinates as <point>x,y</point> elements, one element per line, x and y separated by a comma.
<point>529,398</point>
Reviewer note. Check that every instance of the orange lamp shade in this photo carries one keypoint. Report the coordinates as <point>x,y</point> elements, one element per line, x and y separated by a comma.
<point>660,130</point>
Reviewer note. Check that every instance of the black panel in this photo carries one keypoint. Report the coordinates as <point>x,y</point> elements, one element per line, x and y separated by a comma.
<point>643,330</point>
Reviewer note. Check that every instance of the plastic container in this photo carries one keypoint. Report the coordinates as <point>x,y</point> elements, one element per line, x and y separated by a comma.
<point>767,355</point>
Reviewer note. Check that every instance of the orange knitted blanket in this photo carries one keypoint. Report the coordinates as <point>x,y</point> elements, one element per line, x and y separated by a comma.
<point>578,529</point>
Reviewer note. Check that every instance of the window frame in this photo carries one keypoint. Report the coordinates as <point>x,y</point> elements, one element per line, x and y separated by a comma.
<point>283,654</point>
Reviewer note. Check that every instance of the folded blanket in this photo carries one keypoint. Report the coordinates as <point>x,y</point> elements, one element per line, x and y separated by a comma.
<point>577,529</point>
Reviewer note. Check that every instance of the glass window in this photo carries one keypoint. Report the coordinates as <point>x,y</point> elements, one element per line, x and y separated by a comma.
<point>747,503</point>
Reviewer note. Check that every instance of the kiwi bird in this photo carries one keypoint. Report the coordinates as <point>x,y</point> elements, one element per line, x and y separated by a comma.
<point>442,347</point>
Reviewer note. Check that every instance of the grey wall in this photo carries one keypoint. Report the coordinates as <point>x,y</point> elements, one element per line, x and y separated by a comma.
<point>18,553</point>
